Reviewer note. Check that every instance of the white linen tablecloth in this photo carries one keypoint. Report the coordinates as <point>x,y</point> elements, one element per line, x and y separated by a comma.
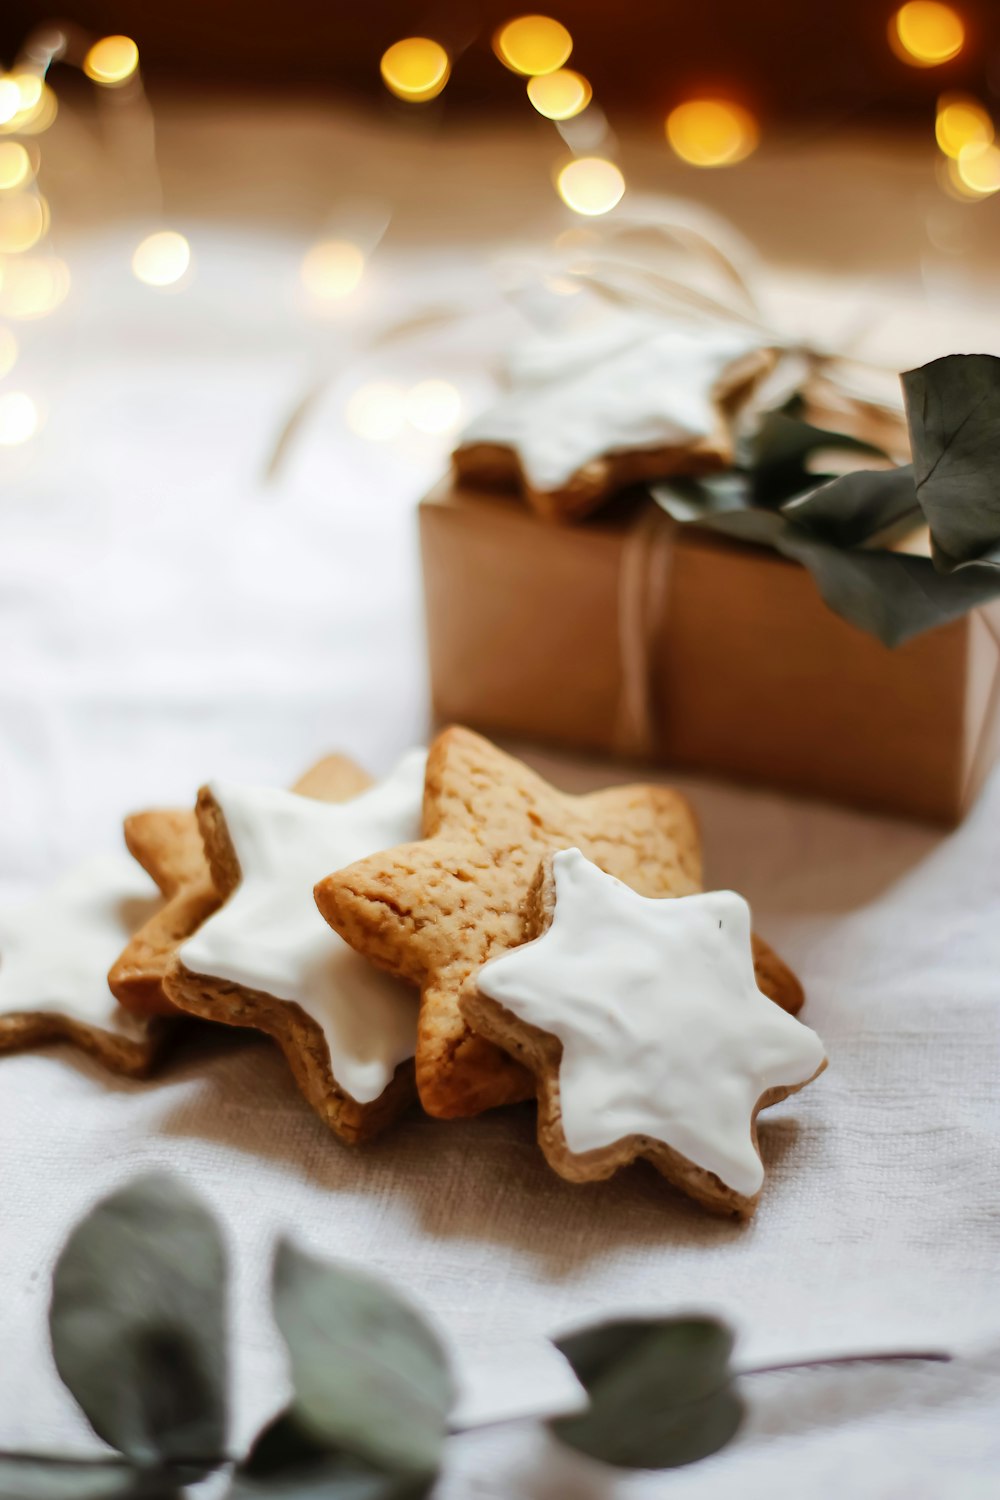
<point>167,615</point>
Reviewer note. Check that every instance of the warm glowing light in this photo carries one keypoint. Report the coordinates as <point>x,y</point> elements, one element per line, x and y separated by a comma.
<point>433,406</point>
<point>18,418</point>
<point>712,132</point>
<point>10,99</point>
<point>978,169</point>
<point>8,351</point>
<point>533,44</point>
<point>29,90</point>
<point>332,270</point>
<point>415,69</point>
<point>161,259</point>
<point>35,116</point>
<point>590,185</point>
<point>376,411</point>
<point>961,121</point>
<point>112,60</point>
<point>925,33</point>
<point>33,285</point>
<point>24,219</point>
<point>15,165</point>
<point>559,95</point>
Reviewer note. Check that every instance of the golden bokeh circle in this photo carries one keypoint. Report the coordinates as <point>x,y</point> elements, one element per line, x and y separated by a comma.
<point>712,132</point>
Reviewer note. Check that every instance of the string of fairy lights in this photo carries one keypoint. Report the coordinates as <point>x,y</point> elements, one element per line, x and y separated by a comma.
<point>702,132</point>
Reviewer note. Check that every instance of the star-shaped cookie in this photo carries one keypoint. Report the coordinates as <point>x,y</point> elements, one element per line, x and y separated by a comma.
<point>644,1027</point>
<point>54,958</point>
<point>267,959</point>
<point>597,409</point>
<point>168,845</point>
<point>433,911</point>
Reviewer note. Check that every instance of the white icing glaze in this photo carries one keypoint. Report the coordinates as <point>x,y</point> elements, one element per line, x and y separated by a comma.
<point>627,386</point>
<point>269,935</point>
<point>56,951</point>
<point>663,1028</point>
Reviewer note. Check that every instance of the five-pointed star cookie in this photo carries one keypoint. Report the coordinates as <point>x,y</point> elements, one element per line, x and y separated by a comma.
<point>54,958</point>
<point>644,1027</point>
<point>595,410</point>
<point>168,845</point>
<point>267,959</point>
<point>432,912</point>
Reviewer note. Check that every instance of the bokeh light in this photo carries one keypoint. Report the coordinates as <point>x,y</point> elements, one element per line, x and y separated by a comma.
<point>712,132</point>
<point>37,107</point>
<point>415,69</point>
<point>332,270</point>
<point>33,286</point>
<point>559,95</point>
<point>8,351</point>
<point>10,98</point>
<point>15,165</point>
<point>977,169</point>
<point>112,60</point>
<point>961,121</point>
<point>590,185</point>
<point>161,259</point>
<point>925,33</point>
<point>433,406</point>
<point>29,91</point>
<point>24,219</point>
<point>377,411</point>
<point>18,418</point>
<point>533,44</point>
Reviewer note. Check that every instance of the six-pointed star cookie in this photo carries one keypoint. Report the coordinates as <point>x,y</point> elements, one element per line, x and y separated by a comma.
<point>433,911</point>
<point>645,1030</point>
<point>168,845</point>
<point>267,959</point>
<point>598,409</point>
<point>54,959</point>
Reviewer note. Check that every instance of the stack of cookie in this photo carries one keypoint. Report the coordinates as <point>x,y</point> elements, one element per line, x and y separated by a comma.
<point>533,924</point>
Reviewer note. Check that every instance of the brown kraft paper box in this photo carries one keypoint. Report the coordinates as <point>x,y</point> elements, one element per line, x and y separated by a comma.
<point>633,636</point>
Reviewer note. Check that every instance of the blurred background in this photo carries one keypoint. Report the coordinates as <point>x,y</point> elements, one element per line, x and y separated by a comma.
<point>258,265</point>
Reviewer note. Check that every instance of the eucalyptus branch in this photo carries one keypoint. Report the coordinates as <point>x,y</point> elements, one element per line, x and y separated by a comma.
<point>139,1335</point>
<point>935,1356</point>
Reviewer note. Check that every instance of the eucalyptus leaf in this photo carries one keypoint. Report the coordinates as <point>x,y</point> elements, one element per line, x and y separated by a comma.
<point>370,1378</point>
<point>44,1478</point>
<point>855,508</point>
<point>841,530</point>
<point>286,1464</point>
<point>953,410</point>
<point>661,1392</point>
<point>138,1325</point>
<point>889,594</point>
<point>776,456</point>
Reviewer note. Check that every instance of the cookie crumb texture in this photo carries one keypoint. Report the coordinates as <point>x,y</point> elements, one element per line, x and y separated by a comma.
<point>434,911</point>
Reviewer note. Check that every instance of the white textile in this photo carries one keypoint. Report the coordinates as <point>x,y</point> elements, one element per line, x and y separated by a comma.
<point>167,616</point>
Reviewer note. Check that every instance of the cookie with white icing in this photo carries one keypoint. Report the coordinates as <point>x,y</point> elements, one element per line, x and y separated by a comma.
<point>167,844</point>
<point>642,1023</point>
<point>431,912</point>
<point>55,953</point>
<point>592,412</point>
<point>266,958</point>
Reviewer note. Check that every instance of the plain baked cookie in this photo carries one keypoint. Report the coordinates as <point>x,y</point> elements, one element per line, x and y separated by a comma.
<point>432,912</point>
<point>645,1032</point>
